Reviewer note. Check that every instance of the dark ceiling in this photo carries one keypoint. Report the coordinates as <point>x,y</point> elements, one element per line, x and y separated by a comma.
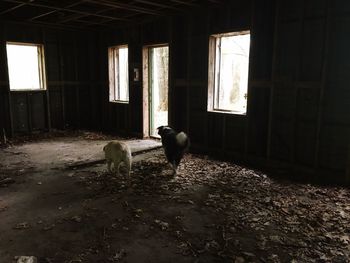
<point>91,13</point>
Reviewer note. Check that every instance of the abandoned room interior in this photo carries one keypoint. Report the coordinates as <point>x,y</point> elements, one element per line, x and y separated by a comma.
<point>174,131</point>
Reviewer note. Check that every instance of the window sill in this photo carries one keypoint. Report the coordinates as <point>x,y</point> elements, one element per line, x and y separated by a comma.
<point>27,90</point>
<point>119,102</point>
<point>239,113</point>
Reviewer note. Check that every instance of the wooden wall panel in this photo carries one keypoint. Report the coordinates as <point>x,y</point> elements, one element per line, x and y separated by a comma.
<point>68,53</point>
<point>179,108</point>
<point>51,59</point>
<point>307,106</point>
<point>339,60</point>
<point>262,37</point>
<point>336,106</point>
<point>281,142</point>
<point>283,122</point>
<point>287,51</point>
<point>340,6</point>
<point>20,112</point>
<point>179,48</point>
<point>334,148</point>
<point>290,10</point>
<point>70,106</point>
<point>312,49</point>
<point>259,102</point>
<point>37,111</point>
<point>234,134</point>
<point>305,143</point>
<point>215,136</point>
<point>56,107</point>
<point>311,59</point>
<point>198,62</point>
<point>198,129</point>
<point>84,107</point>
<point>315,8</point>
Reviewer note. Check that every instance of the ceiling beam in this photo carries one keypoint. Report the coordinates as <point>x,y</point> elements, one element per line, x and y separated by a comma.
<point>46,24</point>
<point>12,8</point>
<point>64,9</point>
<point>78,16</point>
<point>184,3</point>
<point>54,11</point>
<point>157,4</point>
<point>215,1</point>
<point>125,7</point>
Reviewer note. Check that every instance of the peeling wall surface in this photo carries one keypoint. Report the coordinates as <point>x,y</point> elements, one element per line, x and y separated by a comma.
<point>298,112</point>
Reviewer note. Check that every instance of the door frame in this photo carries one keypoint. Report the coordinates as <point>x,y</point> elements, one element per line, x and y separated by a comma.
<point>146,87</point>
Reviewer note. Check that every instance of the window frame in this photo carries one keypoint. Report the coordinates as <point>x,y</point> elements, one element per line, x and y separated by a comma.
<point>41,65</point>
<point>113,56</point>
<point>213,79</point>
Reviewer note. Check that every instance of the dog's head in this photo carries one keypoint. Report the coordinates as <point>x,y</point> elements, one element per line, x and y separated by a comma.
<point>160,130</point>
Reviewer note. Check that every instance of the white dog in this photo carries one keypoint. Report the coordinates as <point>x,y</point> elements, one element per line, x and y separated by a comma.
<point>117,152</point>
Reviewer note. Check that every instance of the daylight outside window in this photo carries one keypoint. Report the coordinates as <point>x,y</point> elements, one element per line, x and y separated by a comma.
<point>118,74</point>
<point>228,72</point>
<point>26,66</point>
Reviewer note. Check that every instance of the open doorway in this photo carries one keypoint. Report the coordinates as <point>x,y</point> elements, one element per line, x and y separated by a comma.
<point>155,88</point>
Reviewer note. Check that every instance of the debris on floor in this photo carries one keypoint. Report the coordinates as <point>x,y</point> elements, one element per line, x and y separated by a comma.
<point>25,259</point>
<point>210,212</point>
<point>81,134</point>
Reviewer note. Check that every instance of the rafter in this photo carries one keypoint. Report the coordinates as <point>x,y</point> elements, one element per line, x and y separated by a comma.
<point>157,4</point>
<point>12,8</point>
<point>125,7</point>
<point>54,11</point>
<point>65,9</point>
<point>184,3</point>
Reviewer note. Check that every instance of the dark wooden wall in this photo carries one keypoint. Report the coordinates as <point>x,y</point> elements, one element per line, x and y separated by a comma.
<point>298,106</point>
<point>311,78</point>
<point>127,119</point>
<point>188,39</point>
<point>72,82</point>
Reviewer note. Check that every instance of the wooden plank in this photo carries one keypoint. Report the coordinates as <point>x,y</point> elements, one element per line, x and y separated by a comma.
<point>188,78</point>
<point>249,88</point>
<point>47,98</point>
<point>325,73</point>
<point>48,6</point>
<point>77,93</point>
<point>298,70</point>
<point>4,37</point>
<point>274,64</point>
<point>61,76</point>
<point>145,95</point>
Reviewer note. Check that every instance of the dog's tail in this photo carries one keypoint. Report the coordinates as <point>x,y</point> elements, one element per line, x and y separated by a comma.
<point>182,140</point>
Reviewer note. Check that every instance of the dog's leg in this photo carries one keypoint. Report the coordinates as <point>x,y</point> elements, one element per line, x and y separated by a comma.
<point>117,166</point>
<point>173,164</point>
<point>109,162</point>
<point>127,162</point>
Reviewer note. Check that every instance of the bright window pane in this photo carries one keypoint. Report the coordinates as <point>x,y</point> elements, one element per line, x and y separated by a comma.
<point>231,73</point>
<point>23,67</point>
<point>119,74</point>
<point>123,74</point>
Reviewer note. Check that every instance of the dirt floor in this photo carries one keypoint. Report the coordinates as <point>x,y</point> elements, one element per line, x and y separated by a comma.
<point>210,212</point>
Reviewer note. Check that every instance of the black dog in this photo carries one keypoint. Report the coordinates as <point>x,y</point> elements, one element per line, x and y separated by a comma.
<point>174,144</point>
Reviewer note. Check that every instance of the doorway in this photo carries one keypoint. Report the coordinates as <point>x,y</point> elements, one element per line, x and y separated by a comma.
<point>156,87</point>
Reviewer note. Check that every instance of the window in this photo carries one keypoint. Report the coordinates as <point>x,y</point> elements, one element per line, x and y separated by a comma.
<point>228,72</point>
<point>118,74</point>
<point>26,66</point>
